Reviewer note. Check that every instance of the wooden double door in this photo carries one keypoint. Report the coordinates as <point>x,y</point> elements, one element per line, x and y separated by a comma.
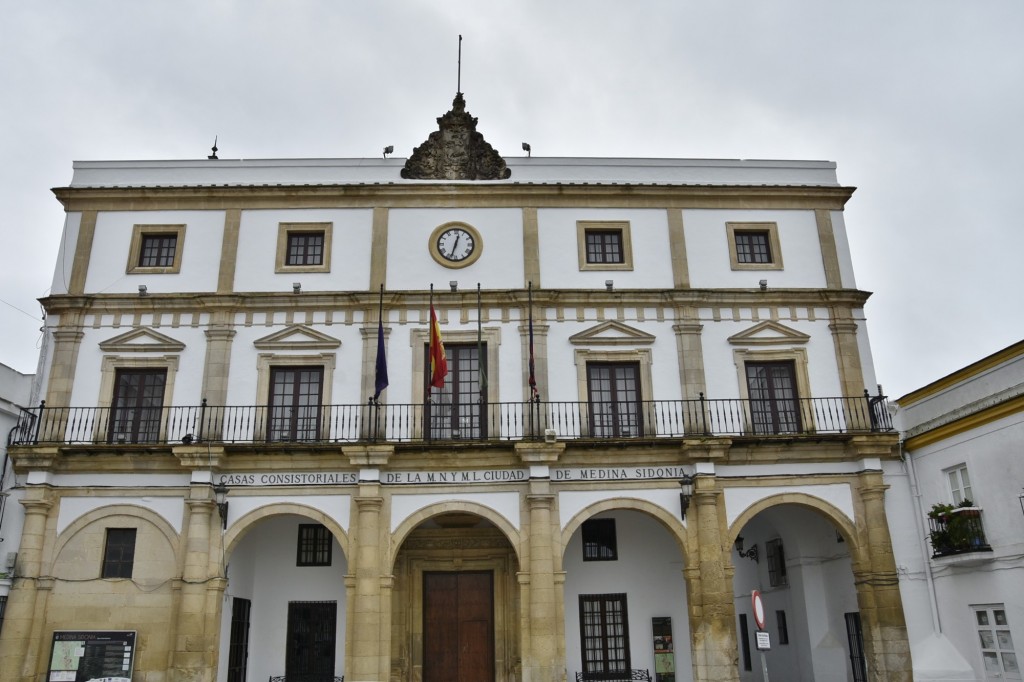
<point>458,626</point>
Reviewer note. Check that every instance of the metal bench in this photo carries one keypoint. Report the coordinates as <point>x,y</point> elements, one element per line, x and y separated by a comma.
<point>638,675</point>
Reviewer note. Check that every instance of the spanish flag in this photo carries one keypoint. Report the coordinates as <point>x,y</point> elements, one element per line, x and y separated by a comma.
<point>438,360</point>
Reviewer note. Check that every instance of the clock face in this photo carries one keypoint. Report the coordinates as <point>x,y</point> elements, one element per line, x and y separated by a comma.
<point>455,244</point>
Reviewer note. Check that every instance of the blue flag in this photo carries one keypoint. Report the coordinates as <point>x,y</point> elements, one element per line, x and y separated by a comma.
<point>381,380</point>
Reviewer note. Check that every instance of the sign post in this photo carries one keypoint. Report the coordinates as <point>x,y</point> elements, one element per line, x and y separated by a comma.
<point>763,639</point>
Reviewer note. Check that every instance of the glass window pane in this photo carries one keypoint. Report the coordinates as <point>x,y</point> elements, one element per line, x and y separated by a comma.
<point>982,617</point>
<point>991,662</point>
<point>1010,663</point>
<point>1005,640</point>
<point>1000,616</point>
<point>987,640</point>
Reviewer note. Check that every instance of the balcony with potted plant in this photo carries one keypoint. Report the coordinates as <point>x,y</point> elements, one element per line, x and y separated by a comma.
<point>957,533</point>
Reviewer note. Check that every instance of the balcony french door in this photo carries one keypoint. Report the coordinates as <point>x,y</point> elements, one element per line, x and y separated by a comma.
<point>614,399</point>
<point>295,395</point>
<point>456,410</point>
<point>774,407</point>
<point>137,406</point>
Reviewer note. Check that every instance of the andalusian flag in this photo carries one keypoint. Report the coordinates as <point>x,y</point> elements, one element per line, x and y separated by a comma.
<point>438,360</point>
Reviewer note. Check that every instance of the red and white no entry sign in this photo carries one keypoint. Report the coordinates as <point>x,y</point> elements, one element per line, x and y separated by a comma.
<point>758,606</point>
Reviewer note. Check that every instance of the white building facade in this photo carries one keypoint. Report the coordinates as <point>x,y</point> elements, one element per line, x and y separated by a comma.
<point>211,484</point>
<point>963,481</point>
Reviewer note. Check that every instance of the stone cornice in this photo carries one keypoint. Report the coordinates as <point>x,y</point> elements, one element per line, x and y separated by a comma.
<point>498,195</point>
<point>362,300</point>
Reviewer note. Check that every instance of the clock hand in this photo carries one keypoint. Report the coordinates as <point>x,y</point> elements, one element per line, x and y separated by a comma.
<point>458,236</point>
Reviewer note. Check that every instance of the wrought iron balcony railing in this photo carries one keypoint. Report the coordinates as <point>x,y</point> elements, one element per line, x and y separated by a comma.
<point>450,422</point>
<point>958,531</point>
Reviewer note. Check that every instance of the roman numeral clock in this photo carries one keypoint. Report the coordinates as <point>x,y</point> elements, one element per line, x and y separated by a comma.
<point>455,245</point>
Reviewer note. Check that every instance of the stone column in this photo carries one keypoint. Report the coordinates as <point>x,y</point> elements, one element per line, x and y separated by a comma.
<point>709,585</point>
<point>21,641</point>
<point>194,650</point>
<point>886,645</point>
<point>368,657</point>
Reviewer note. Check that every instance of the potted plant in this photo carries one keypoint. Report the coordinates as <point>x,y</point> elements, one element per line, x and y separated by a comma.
<point>967,508</point>
<point>940,511</point>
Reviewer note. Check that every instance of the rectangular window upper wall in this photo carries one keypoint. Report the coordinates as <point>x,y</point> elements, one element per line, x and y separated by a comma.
<point>604,635</point>
<point>314,548</point>
<point>599,540</point>
<point>997,652</point>
<point>604,245</point>
<point>119,553</point>
<point>304,247</point>
<point>156,249</point>
<point>754,246</point>
<point>959,484</point>
<point>776,563</point>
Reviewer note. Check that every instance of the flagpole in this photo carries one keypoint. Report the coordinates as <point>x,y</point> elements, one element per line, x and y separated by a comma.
<point>430,347</point>
<point>481,364</point>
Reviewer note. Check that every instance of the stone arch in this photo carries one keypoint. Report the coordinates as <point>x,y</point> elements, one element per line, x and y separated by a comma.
<point>242,526</point>
<point>673,525</point>
<point>119,509</point>
<point>407,526</point>
<point>838,518</point>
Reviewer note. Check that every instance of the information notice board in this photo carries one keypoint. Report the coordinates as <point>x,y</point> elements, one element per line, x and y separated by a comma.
<point>92,656</point>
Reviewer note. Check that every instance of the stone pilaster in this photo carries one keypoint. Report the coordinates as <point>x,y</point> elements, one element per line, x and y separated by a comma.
<point>217,364</point>
<point>368,655</point>
<point>67,340</point>
<point>690,349</point>
<point>677,249</point>
<point>194,650</point>
<point>21,641</point>
<point>878,594</point>
<point>545,630</point>
<point>829,253</point>
<point>844,337</point>
<point>709,585</point>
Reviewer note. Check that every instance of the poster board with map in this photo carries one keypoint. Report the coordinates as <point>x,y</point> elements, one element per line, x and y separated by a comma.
<point>92,656</point>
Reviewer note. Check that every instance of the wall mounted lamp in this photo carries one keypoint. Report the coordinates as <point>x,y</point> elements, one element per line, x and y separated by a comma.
<point>526,148</point>
<point>143,290</point>
<point>764,285</point>
<point>454,284</point>
<point>750,553</point>
<point>390,149</point>
<point>296,287</point>
<point>609,284</point>
<point>220,496</point>
<point>685,495</point>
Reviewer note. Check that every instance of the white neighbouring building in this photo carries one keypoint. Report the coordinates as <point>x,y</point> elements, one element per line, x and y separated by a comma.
<point>15,396</point>
<point>211,494</point>
<point>962,479</point>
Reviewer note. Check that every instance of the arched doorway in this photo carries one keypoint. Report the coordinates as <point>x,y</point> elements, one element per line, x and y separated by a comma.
<point>455,602</point>
<point>800,561</point>
<point>284,607</point>
<point>625,596</point>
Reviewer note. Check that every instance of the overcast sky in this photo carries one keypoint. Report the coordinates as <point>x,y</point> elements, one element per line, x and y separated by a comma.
<point>921,103</point>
